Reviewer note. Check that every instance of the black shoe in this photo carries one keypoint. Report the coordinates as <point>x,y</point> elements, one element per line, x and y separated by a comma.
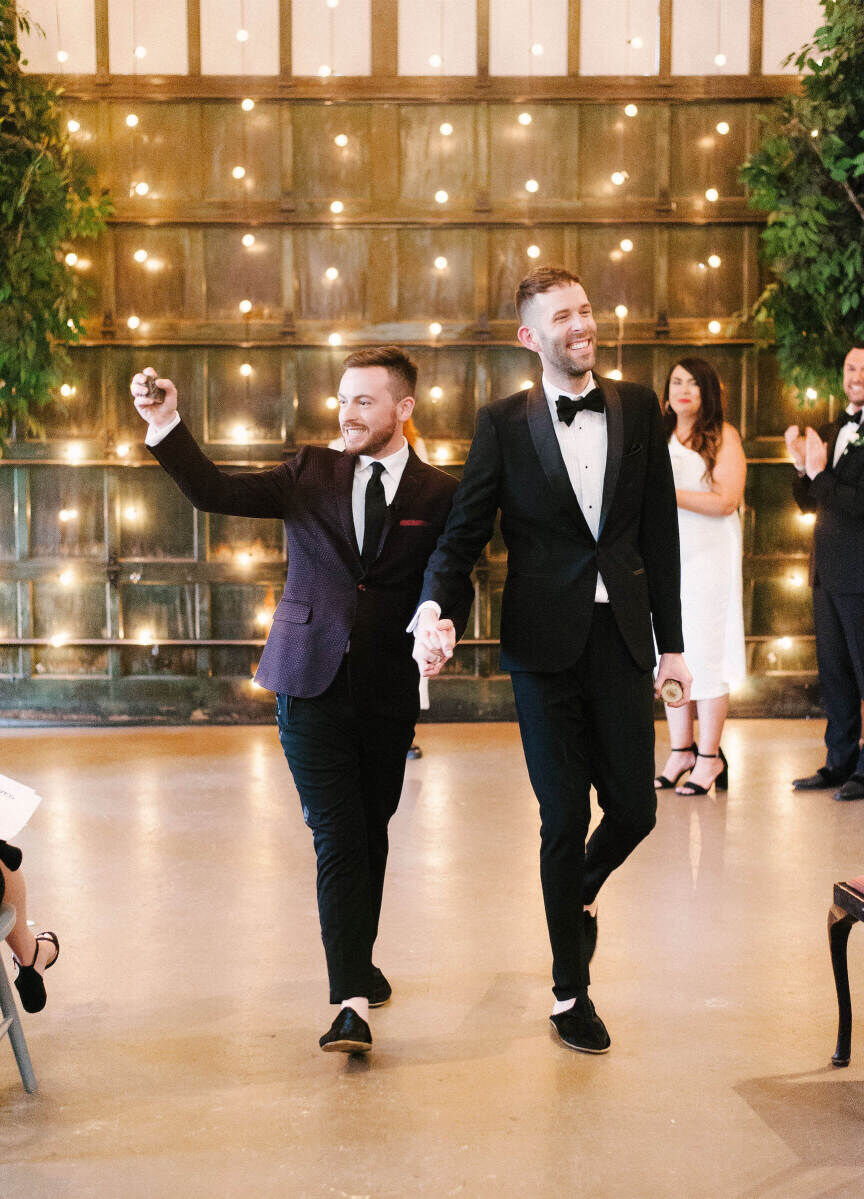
<point>590,923</point>
<point>721,782</point>
<point>661,783</point>
<point>349,1033</point>
<point>853,788</point>
<point>28,981</point>
<point>822,779</point>
<point>414,752</point>
<point>381,990</point>
<point>581,1028</point>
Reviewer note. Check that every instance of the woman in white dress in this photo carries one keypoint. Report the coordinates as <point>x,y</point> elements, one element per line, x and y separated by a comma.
<point>710,470</point>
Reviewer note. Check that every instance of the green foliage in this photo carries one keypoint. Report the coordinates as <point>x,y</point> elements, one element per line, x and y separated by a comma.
<point>812,186</point>
<point>45,202</point>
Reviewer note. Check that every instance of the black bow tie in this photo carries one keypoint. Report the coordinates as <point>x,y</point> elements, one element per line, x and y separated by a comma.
<point>567,407</point>
<point>853,418</point>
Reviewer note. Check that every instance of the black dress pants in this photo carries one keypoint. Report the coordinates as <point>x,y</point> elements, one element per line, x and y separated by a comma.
<point>590,724</point>
<point>347,757</point>
<point>839,621</point>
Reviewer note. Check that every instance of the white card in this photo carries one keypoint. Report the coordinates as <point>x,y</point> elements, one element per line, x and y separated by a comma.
<point>17,804</point>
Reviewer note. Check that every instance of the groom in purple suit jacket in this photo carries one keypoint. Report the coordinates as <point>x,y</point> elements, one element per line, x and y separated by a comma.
<point>360,526</point>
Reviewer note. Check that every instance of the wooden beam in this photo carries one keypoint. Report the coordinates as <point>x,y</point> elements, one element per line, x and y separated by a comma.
<point>574,35</point>
<point>757,18</point>
<point>483,41</point>
<point>665,71</point>
<point>385,37</point>
<point>193,36</point>
<point>103,53</point>
<point>286,17</point>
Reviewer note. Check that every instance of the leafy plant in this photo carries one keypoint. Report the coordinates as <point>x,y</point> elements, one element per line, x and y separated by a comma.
<point>808,174</point>
<point>45,202</point>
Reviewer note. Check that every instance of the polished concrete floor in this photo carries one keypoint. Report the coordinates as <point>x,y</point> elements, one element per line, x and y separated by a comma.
<point>178,1052</point>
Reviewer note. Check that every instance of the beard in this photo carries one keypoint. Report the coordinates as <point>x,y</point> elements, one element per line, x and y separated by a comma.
<point>561,360</point>
<point>374,442</point>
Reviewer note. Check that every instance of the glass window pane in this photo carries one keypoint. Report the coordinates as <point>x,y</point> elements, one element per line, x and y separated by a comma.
<point>67,512</point>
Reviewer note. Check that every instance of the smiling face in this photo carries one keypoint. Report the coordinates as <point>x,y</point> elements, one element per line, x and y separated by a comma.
<point>685,398</point>
<point>369,417</point>
<point>853,377</point>
<point>559,326</point>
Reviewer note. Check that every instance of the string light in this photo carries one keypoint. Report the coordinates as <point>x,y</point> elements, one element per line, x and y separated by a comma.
<point>441,454</point>
<point>331,402</point>
<point>67,515</point>
<point>332,3</point>
<point>133,322</point>
<point>526,384</point>
<point>331,273</point>
<point>58,640</point>
<point>71,258</point>
<point>619,178</point>
<point>75,452</point>
<point>337,206</point>
<point>722,128</point>
<point>62,56</point>
<point>626,244</point>
<point>714,326</point>
<point>335,339</point>
<point>245,558</point>
<point>795,580</point>
<point>811,393</point>
<point>703,266</point>
<point>145,636</point>
<point>636,42</point>
<point>263,618</point>
<point>814,132</point>
<point>435,328</point>
<point>245,369</point>
<point>440,263</point>
<point>67,390</point>
<point>140,51</point>
<point>142,188</point>
<point>435,60</point>
<point>616,255</point>
<point>714,261</point>
<point>537,49</point>
<point>131,513</point>
<point>140,255</point>
<point>712,195</point>
<point>341,139</point>
<point>247,105</point>
<point>248,239</point>
<point>784,642</point>
<point>73,126</point>
<point>67,577</point>
<point>242,35</point>
<point>525,118</point>
<point>621,311</point>
<point>446,129</point>
<point>240,434</point>
<point>615,374</point>
<point>436,393</point>
<point>245,306</point>
<point>324,71</point>
<point>806,518</point>
<point>531,185</point>
<point>630,110</point>
<point>238,172</point>
<point>441,197</point>
<point>720,60</point>
<point>122,450</point>
<point>131,120</point>
<point>533,251</point>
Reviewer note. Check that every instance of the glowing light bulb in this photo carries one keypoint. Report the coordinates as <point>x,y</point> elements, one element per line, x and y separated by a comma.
<point>324,71</point>
<point>130,513</point>
<point>245,306</point>
<point>441,197</point>
<point>245,369</point>
<point>331,402</point>
<point>332,3</point>
<point>714,326</point>
<point>67,390</point>
<point>531,185</point>
<point>140,51</point>
<point>435,328</point>
<point>785,642</point>
<point>75,453</point>
<point>331,273</point>
<point>436,392</point>
<point>806,518</point>
<point>337,206</point>
<point>253,686</point>
<point>537,49</point>
<point>73,126</point>
<point>335,339</point>
<point>814,132</point>
<point>636,42</point>
<point>263,618</point>
<point>242,35</point>
<point>720,60</point>
<point>441,454</point>
<point>630,110</point>
<point>714,261</point>
<point>247,240</point>
<point>140,255</point>
<point>440,263</point>
<point>626,244</point>
<point>67,577</point>
<point>533,251</point>
<point>435,60</point>
<point>616,255</point>
<point>615,374</point>
<point>131,120</point>
<point>144,636</point>
<point>71,258</point>
<point>525,118</point>
<point>133,322</point>
<point>621,311</point>
<point>122,450</point>
<point>240,434</point>
<point>141,189</point>
<point>58,639</point>
<point>795,581</point>
<point>245,558</point>
<point>341,139</point>
<point>702,266</point>
<point>66,515</point>
<point>722,128</point>
<point>619,177</point>
<point>238,172</point>
<point>247,105</point>
<point>446,129</point>
<point>62,55</point>
<point>712,195</point>
<point>526,384</point>
<point>811,393</point>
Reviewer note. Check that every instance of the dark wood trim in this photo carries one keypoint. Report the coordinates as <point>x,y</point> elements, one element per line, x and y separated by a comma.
<point>193,38</point>
<point>574,36</point>
<point>757,19</point>
<point>483,77</point>
<point>665,66</point>
<point>598,89</point>
<point>103,51</point>
<point>286,18</point>
<point>385,38</point>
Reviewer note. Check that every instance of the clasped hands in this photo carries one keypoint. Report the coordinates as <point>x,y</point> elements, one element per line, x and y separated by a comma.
<point>434,642</point>
<point>809,452</point>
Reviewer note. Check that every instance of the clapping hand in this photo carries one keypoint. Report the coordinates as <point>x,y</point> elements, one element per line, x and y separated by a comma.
<point>796,446</point>
<point>815,454</point>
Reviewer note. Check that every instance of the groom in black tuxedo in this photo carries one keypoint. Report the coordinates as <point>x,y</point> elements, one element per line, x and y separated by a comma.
<point>359,527</point>
<point>830,482</point>
<point>580,470</point>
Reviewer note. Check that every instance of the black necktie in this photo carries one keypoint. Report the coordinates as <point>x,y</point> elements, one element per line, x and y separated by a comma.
<point>567,407</point>
<point>376,514</point>
<point>853,418</point>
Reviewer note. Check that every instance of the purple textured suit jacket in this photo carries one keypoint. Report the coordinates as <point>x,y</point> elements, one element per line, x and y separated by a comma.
<point>329,599</point>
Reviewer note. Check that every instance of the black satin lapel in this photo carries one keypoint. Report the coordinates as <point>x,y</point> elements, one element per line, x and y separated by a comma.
<point>614,445</point>
<point>344,487</point>
<point>832,446</point>
<point>549,453</point>
<point>408,485</point>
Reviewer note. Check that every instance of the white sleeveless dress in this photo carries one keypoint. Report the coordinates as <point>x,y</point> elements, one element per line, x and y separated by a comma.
<point>711,585</point>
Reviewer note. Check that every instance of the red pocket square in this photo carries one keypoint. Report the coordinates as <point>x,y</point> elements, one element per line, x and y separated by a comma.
<point>413,523</point>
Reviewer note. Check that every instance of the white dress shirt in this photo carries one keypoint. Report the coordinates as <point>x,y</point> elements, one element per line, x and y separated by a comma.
<point>847,433</point>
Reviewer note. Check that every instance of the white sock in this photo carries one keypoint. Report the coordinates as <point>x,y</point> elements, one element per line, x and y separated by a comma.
<point>360,1004</point>
<point>562,1005</point>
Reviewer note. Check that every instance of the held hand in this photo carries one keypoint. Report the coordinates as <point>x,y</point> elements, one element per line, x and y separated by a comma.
<point>795,445</point>
<point>434,642</point>
<point>673,666</point>
<point>154,412</point>
<point>815,454</point>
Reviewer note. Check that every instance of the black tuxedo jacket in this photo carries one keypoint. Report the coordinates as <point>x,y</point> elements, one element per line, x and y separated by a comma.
<point>837,497</point>
<point>515,464</point>
<point>329,599</point>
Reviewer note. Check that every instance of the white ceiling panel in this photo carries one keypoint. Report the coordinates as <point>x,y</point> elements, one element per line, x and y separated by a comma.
<point>223,53</point>
<point>160,31</point>
<point>787,25</point>
<point>528,37</point>
<point>70,29</point>
<point>338,38</point>
<point>620,37</point>
<point>446,28</point>
<point>711,30</point>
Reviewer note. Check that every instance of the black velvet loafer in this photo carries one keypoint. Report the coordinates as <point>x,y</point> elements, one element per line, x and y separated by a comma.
<point>381,989</point>
<point>820,781</point>
<point>581,1028</point>
<point>853,788</point>
<point>349,1033</point>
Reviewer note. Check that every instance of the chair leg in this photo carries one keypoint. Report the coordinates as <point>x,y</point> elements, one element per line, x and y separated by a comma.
<point>839,926</point>
<point>16,1033</point>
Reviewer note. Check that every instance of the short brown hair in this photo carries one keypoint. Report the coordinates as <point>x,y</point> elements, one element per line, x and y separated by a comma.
<point>542,278</point>
<point>401,368</point>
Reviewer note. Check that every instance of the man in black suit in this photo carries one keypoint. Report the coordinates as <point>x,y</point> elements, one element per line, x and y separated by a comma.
<point>580,470</point>
<point>830,482</point>
<point>360,527</point>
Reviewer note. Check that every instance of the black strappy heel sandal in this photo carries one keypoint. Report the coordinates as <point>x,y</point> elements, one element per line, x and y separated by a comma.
<point>28,981</point>
<point>661,779</point>
<point>721,782</point>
